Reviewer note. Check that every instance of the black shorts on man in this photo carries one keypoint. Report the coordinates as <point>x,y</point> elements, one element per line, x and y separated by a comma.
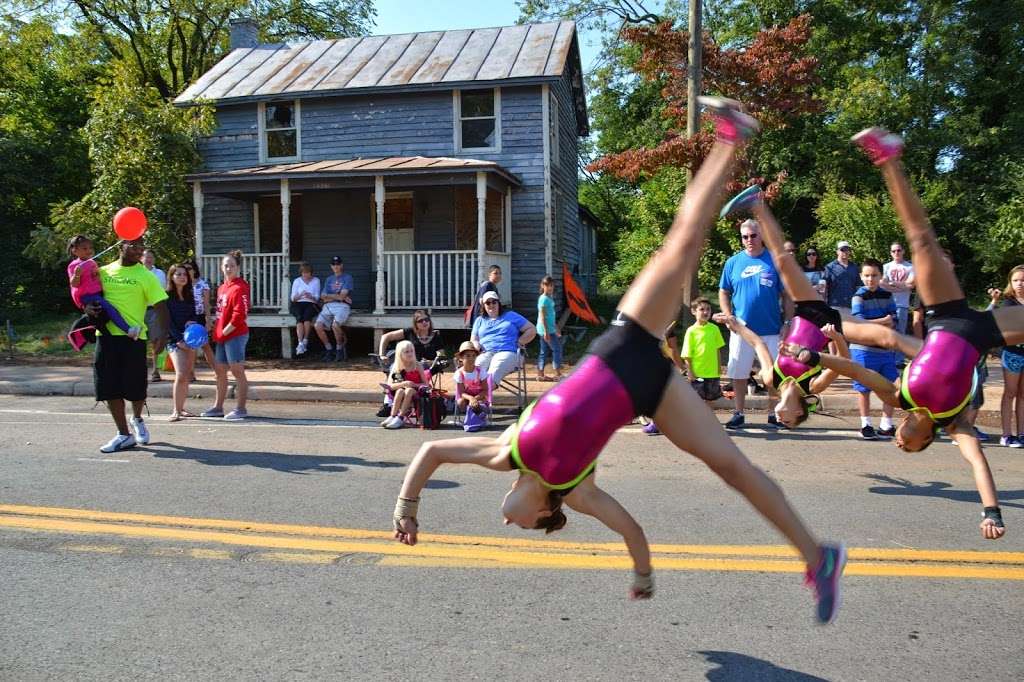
<point>119,368</point>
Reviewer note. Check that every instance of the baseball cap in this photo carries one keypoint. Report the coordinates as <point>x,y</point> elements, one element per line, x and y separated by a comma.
<point>489,296</point>
<point>336,260</point>
<point>842,245</point>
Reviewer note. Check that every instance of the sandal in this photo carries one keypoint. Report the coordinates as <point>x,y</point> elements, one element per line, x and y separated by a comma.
<point>175,417</point>
<point>186,414</point>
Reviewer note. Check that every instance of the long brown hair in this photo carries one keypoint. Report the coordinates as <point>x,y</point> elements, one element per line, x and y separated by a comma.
<point>420,312</point>
<point>1008,291</point>
<point>557,520</point>
<point>187,292</point>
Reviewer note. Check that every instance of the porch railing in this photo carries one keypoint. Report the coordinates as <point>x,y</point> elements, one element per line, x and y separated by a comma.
<point>430,279</point>
<point>265,273</point>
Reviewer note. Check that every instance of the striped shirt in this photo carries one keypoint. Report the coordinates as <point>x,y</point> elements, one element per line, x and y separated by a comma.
<point>872,305</point>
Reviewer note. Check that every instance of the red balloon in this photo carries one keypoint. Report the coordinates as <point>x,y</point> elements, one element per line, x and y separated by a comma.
<point>130,223</point>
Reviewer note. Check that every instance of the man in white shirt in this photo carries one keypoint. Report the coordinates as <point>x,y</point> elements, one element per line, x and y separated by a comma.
<point>898,277</point>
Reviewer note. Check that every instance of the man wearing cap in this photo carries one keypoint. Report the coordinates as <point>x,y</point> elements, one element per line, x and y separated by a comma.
<point>337,301</point>
<point>842,277</point>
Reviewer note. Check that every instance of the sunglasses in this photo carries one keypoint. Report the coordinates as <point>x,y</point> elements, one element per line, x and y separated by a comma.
<point>491,302</point>
<point>812,253</point>
<point>745,237</point>
<point>422,319</point>
<point>845,248</point>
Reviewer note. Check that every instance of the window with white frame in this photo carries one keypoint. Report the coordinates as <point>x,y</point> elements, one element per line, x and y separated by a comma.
<point>478,120</point>
<point>279,130</point>
<point>553,129</point>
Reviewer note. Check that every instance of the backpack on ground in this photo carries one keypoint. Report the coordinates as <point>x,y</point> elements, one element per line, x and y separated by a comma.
<point>432,408</point>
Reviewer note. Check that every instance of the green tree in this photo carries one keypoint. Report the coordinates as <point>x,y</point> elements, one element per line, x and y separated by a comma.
<point>141,148</point>
<point>45,78</point>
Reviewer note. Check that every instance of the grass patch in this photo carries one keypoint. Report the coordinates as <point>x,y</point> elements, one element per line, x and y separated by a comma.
<point>41,336</point>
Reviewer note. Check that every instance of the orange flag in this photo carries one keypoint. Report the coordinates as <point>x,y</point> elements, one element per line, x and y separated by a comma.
<point>577,300</point>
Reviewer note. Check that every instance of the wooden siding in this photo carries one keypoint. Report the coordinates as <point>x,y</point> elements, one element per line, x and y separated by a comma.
<point>227,225</point>
<point>337,223</point>
<point>564,178</point>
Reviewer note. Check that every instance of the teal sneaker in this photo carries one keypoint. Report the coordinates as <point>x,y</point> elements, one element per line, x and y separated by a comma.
<point>825,581</point>
<point>742,201</point>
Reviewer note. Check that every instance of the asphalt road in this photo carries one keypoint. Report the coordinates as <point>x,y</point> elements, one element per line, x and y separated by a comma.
<point>260,550</point>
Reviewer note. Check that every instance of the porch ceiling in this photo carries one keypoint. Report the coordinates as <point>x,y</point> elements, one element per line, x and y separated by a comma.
<point>341,168</point>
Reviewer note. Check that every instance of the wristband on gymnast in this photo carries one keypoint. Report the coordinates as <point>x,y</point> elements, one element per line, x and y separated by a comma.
<point>405,508</point>
<point>813,357</point>
<point>995,514</point>
<point>643,584</point>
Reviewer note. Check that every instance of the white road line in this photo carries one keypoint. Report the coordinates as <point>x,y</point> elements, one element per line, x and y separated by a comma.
<point>102,459</point>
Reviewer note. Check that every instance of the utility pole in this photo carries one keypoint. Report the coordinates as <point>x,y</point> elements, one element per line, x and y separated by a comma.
<point>693,87</point>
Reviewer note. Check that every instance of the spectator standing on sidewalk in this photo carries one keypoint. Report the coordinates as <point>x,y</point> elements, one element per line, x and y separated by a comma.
<point>547,331</point>
<point>751,290</point>
<point>871,303</point>
<point>1012,358</point>
<point>181,309</point>
<point>231,334</point>
<point>898,277</point>
<point>152,321</point>
<point>489,284</point>
<point>842,279</point>
<point>337,301</point>
<point>119,367</point>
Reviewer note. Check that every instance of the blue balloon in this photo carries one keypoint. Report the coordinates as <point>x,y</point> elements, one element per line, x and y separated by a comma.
<point>195,335</point>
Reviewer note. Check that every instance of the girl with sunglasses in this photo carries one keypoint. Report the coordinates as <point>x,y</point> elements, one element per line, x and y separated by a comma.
<point>556,442</point>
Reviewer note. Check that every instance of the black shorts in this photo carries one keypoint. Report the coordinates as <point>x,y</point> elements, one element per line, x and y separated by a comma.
<point>119,368</point>
<point>976,327</point>
<point>635,356</point>
<point>304,311</point>
<point>819,313</point>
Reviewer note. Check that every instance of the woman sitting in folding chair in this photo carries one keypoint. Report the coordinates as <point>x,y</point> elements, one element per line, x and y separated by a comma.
<point>473,387</point>
<point>500,334</point>
<point>407,379</point>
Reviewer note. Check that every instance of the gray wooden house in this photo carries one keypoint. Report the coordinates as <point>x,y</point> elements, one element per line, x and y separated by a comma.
<point>420,159</point>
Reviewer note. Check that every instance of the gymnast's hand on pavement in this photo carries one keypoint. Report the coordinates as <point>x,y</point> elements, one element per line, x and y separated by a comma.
<point>642,587</point>
<point>405,530</point>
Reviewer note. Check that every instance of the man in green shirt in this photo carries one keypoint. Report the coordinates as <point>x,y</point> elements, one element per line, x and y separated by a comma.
<point>119,366</point>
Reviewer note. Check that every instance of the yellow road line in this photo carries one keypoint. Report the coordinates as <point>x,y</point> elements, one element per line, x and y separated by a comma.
<point>479,555</point>
<point>780,551</point>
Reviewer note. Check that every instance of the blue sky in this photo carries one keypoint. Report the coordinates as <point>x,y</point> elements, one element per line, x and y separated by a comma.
<point>412,16</point>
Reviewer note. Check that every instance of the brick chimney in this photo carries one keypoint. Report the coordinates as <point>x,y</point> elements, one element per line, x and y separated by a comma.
<point>244,33</point>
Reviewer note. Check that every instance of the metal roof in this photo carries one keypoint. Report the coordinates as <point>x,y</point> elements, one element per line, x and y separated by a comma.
<point>532,51</point>
<point>392,165</point>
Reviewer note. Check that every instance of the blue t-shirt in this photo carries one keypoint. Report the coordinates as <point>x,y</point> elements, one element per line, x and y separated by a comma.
<point>499,333</point>
<point>754,285</point>
<point>336,283</point>
<point>545,315</point>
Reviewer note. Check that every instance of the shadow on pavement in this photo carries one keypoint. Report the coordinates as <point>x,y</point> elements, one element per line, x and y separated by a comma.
<point>741,667</point>
<point>292,464</point>
<point>802,434</point>
<point>941,489</point>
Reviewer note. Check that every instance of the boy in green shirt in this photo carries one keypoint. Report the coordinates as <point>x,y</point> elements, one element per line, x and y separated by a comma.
<point>700,351</point>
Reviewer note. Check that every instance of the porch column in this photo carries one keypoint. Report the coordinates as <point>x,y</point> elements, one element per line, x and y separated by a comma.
<point>197,207</point>
<point>286,205</point>
<point>378,195</point>
<point>481,224</point>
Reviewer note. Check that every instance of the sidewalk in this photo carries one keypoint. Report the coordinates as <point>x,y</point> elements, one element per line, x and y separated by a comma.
<point>360,385</point>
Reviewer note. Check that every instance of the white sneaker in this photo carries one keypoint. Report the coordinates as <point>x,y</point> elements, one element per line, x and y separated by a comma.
<point>141,432</point>
<point>301,349</point>
<point>387,421</point>
<point>395,423</point>
<point>118,443</point>
<point>236,415</point>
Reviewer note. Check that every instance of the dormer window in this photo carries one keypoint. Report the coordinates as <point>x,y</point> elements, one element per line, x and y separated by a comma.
<point>279,130</point>
<point>477,120</point>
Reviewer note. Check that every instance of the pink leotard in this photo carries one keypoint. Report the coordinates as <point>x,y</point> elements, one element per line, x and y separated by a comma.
<point>941,378</point>
<point>802,333</point>
<point>561,434</point>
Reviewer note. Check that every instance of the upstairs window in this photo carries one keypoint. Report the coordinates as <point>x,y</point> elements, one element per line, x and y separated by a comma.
<point>279,130</point>
<point>477,120</point>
